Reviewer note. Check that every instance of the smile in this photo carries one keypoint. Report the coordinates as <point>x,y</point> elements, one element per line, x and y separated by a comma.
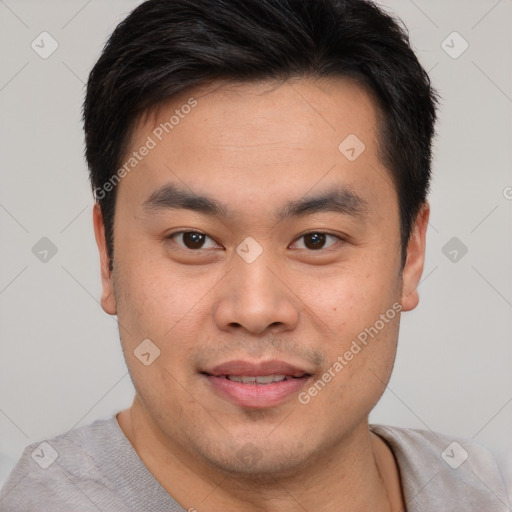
<point>256,385</point>
<point>259,379</point>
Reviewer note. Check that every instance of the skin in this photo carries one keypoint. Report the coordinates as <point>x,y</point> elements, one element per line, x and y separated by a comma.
<point>254,147</point>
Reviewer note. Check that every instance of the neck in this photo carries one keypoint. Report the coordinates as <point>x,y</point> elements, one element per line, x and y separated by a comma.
<point>359,474</point>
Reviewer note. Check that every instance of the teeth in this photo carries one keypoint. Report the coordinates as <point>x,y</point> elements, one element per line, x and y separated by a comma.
<point>264,379</point>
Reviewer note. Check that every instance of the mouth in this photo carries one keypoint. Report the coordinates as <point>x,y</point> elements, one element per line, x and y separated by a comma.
<point>257,385</point>
<point>259,379</point>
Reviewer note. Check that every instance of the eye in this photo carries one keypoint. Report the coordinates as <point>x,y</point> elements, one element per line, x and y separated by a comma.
<point>192,240</point>
<point>316,240</point>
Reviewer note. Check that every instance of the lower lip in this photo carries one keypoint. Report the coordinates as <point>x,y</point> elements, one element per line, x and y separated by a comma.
<point>257,396</point>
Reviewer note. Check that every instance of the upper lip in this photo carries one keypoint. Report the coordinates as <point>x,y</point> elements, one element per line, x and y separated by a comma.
<point>250,369</point>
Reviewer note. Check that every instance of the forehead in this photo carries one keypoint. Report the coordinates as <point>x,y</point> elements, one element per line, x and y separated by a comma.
<point>271,112</point>
<point>259,139</point>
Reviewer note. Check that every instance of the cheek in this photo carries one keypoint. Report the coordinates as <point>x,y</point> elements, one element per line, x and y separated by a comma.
<point>351,298</point>
<point>154,296</point>
<point>158,303</point>
<point>360,365</point>
<point>361,310</point>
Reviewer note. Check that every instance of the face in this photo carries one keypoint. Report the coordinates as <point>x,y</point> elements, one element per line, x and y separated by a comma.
<point>263,261</point>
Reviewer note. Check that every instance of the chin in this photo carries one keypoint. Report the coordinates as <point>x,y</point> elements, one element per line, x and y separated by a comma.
<point>258,457</point>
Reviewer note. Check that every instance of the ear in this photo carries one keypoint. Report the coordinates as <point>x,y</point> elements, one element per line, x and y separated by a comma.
<point>108,301</point>
<point>415,260</point>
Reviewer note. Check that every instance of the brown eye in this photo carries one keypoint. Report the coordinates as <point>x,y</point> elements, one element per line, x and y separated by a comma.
<point>191,240</point>
<point>315,240</point>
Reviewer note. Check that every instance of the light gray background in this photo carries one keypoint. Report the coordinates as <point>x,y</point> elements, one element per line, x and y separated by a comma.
<point>61,363</point>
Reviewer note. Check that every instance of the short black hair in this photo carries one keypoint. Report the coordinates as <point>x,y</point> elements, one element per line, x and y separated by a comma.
<point>164,47</point>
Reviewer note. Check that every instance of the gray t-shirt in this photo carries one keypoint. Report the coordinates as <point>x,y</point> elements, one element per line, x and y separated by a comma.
<point>95,469</point>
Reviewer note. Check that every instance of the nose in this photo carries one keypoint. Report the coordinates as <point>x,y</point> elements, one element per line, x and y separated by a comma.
<point>257,298</point>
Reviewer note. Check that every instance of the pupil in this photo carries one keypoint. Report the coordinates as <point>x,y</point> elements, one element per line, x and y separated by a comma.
<point>316,240</point>
<point>193,240</point>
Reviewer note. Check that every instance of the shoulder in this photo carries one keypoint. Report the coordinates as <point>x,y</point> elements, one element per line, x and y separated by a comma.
<point>441,473</point>
<point>66,472</point>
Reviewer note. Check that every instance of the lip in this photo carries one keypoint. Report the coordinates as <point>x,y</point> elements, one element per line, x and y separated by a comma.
<point>273,367</point>
<point>257,396</point>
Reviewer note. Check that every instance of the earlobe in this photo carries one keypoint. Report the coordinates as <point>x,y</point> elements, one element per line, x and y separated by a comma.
<point>108,301</point>
<point>415,260</point>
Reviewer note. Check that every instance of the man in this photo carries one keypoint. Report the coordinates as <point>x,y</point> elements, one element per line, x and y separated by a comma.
<point>261,170</point>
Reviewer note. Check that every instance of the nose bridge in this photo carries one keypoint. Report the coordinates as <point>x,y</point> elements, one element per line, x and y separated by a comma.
<point>253,296</point>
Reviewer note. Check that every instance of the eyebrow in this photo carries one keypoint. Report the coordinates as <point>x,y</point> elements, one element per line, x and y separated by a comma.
<point>338,199</point>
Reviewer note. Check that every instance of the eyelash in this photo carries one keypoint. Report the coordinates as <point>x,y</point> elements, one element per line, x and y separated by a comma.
<point>339,239</point>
